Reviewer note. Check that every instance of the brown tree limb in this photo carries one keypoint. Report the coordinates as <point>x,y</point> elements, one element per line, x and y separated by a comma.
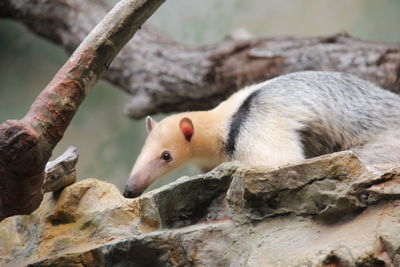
<point>164,76</point>
<point>27,144</point>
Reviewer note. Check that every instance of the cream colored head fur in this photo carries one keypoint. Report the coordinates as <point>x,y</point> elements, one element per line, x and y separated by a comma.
<point>171,144</point>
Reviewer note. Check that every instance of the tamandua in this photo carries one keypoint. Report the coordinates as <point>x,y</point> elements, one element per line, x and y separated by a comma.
<point>283,120</point>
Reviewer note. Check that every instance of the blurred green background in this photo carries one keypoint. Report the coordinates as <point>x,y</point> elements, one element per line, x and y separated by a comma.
<point>109,142</point>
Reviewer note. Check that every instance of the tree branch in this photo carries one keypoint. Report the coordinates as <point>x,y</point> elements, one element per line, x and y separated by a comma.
<point>164,76</point>
<point>27,144</point>
<point>61,172</point>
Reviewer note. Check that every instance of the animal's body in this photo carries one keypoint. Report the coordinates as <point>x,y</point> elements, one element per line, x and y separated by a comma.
<point>283,120</point>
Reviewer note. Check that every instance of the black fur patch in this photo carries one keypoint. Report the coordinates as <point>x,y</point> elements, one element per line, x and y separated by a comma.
<point>316,141</point>
<point>238,119</point>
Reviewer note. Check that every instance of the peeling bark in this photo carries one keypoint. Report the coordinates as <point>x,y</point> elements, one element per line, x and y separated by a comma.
<point>27,144</point>
<point>164,76</point>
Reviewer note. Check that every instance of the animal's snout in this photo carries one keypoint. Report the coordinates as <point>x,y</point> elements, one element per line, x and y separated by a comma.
<point>132,193</point>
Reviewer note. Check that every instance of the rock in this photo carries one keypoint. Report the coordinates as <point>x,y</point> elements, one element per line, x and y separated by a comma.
<point>81,217</point>
<point>327,211</point>
<point>329,188</point>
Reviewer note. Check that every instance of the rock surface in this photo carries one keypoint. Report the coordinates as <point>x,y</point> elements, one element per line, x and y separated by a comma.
<point>327,211</point>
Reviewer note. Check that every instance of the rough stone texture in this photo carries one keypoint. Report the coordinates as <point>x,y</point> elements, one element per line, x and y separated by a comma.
<point>327,211</point>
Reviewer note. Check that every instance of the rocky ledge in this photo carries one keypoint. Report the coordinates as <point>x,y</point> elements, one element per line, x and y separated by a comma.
<point>327,211</point>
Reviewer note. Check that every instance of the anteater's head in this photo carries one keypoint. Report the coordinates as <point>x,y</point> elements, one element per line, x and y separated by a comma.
<point>167,148</point>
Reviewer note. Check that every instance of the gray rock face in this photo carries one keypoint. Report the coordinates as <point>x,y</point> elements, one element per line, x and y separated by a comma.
<point>327,211</point>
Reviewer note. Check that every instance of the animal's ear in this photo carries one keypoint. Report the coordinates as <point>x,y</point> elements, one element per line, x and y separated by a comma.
<point>150,124</point>
<point>187,128</point>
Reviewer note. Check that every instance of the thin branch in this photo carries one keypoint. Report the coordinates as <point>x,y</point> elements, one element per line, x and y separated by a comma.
<point>27,144</point>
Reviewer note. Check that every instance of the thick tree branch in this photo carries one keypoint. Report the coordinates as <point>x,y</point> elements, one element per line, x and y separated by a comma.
<point>27,144</point>
<point>164,76</point>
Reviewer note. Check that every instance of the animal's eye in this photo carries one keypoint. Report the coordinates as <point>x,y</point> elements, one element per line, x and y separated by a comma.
<point>166,156</point>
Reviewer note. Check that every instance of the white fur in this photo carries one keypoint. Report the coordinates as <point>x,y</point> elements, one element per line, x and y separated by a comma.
<point>336,109</point>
